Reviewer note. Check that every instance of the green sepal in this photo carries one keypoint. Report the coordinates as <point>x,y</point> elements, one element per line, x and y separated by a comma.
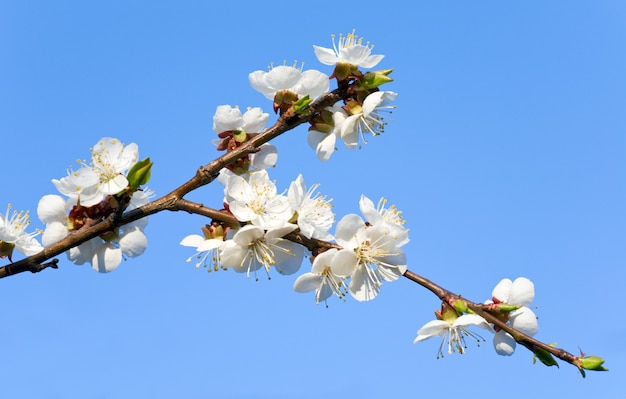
<point>460,306</point>
<point>505,307</point>
<point>545,357</point>
<point>139,174</point>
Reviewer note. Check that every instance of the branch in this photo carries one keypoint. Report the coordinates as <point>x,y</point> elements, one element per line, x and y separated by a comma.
<point>527,341</point>
<point>172,201</point>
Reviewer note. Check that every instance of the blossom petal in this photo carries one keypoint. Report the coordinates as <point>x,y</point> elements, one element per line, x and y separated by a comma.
<point>133,243</point>
<point>524,320</point>
<point>503,343</point>
<point>51,208</point>
<point>106,259</point>
<point>522,292</point>
<point>362,287</point>
<point>502,289</point>
<point>433,328</point>
<point>55,232</point>
<point>325,55</point>
<point>289,261</point>
<point>307,282</point>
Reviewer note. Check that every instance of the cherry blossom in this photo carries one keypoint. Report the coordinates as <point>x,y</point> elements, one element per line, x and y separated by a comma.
<point>453,331</point>
<point>13,234</point>
<point>520,292</point>
<point>104,175</point>
<point>326,277</point>
<point>252,248</point>
<point>373,253</point>
<point>349,50</point>
<point>313,211</point>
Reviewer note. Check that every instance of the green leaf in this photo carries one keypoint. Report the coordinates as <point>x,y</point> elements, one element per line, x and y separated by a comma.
<point>139,174</point>
<point>545,357</point>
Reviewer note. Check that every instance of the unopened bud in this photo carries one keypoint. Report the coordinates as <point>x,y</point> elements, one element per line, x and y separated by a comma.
<point>592,363</point>
<point>372,80</point>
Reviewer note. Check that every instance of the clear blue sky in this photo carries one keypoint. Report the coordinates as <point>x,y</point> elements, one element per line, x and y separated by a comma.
<point>506,155</point>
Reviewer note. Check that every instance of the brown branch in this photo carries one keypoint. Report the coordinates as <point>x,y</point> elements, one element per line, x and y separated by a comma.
<point>204,175</point>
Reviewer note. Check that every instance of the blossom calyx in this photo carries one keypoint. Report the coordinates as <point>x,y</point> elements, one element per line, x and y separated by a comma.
<point>283,100</point>
<point>344,72</point>
<point>323,121</point>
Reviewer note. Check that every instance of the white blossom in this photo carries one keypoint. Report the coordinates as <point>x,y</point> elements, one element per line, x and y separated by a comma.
<point>252,248</point>
<point>314,212</point>
<point>350,50</point>
<point>520,292</point>
<point>327,277</point>
<point>367,119</point>
<point>373,253</point>
<point>13,234</point>
<point>104,175</point>
<point>256,200</point>
<point>310,82</point>
<point>452,332</point>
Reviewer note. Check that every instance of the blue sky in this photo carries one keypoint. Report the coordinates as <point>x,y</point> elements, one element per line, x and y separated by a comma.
<point>505,154</point>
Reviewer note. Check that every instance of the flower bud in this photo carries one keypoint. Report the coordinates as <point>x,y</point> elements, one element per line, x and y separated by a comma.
<point>372,80</point>
<point>592,363</point>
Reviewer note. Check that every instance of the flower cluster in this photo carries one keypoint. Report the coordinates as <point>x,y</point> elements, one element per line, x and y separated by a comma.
<point>509,304</point>
<point>108,184</point>
<point>370,254</point>
<point>267,216</point>
<point>367,252</point>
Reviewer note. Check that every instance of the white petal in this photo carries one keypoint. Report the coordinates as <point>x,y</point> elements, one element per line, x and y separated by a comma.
<point>349,132</point>
<point>471,320</point>
<point>227,118</point>
<point>433,328</point>
<point>362,287</point>
<point>325,55</point>
<point>51,208</point>
<point>524,320</point>
<point>133,243</point>
<point>84,252</point>
<point>28,245</point>
<point>254,120</point>
<point>324,260</point>
<point>522,292</point>
<point>289,260</point>
<point>106,259</point>
<point>312,83</point>
<point>265,158</point>
<point>503,343</point>
<point>307,282</point>
<point>55,231</point>
<point>346,230</point>
<point>115,185</point>
<point>192,240</point>
<point>502,289</point>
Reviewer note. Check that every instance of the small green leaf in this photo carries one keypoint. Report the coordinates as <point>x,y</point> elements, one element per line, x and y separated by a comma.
<point>139,174</point>
<point>545,357</point>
